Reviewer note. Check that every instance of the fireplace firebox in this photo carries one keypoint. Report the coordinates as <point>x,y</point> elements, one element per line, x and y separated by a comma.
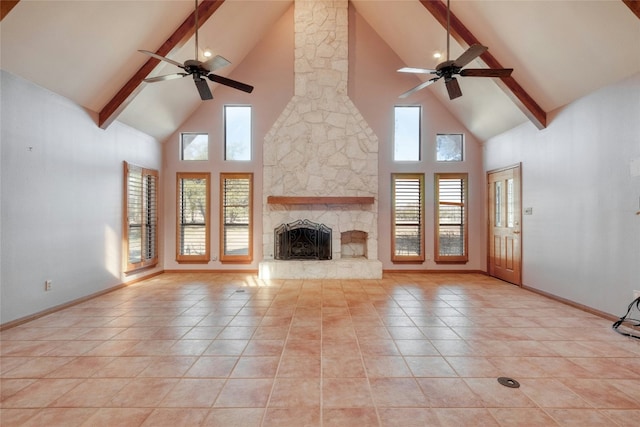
<point>302,240</point>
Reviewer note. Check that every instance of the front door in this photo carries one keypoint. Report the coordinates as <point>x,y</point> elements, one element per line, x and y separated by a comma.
<point>505,209</point>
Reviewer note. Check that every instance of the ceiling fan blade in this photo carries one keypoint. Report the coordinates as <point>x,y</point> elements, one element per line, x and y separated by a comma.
<point>486,72</point>
<point>203,88</point>
<point>162,58</point>
<point>453,88</point>
<point>231,83</point>
<point>419,87</point>
<point>416,70</point>
<point>469,55</point>
<point>166,77</point>
<point>215,63</point>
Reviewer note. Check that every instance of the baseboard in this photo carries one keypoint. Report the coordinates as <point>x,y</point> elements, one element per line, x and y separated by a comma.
<point>573,304</point>
<point>394,271</point>
<point>249,271</point>
<point>29,318</point>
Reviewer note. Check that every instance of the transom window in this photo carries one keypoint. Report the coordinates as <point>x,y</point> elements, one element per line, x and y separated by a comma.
<point>406,138</point>
<point>194,146</point>
<point>407,214</point>
<point>449,148</point>
<point>141,216</point>
<point>237,132</point>
<point>193,195</point>
<point>451,242</point>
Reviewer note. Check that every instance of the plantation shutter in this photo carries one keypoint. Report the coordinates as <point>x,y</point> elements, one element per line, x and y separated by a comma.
<point>236,193</point>
<point>451,217</point>
<point>193,217</point>
<point>150,191</point>
<point>134,214</point>
<point>141,212</point>
<point>408,221</point>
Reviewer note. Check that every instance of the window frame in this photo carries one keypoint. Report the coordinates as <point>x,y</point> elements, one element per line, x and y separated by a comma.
<point>464,204</point>
<point>419,108</point>
<point>182,159</point>
<point>203,258</point>
<point>420,258</point>
<point>224,257</point>
<point>149,219</point>
<point>224,121</point>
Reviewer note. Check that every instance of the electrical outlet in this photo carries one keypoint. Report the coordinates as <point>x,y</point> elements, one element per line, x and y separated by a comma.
<point>636,294</point>
<point>214,258</point>
<point>47,285</point>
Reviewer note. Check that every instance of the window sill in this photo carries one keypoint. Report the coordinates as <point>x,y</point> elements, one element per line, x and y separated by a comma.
<point>194,261</point>
<point>407,261</point>
<point>236,261</point>
<point>138,269</point>
<point>464,261</point>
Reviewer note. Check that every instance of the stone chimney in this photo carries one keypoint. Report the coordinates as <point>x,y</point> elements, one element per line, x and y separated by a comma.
<point>321,146</point>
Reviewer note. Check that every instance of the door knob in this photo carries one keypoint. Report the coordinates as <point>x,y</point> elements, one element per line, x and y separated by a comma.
<point>516,231</point>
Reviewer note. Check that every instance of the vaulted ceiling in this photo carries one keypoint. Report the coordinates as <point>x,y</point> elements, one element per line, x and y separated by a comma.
<point>87,51</point>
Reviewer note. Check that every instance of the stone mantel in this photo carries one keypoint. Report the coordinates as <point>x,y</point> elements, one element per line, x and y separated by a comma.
<point>313,200</point>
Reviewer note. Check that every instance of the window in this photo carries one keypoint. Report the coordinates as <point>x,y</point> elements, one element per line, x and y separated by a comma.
<point>192,242</point>
<point>237,132</point>
<point>236,192</point>
<point>451,217</point>
<point>194,146</point>
<point>407,134</point>
<point>141,216</point>
<point>449,148</point>
<point>407,208</point>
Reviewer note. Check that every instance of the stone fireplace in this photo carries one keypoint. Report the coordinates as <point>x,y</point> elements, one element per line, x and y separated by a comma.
<point>321,157</point>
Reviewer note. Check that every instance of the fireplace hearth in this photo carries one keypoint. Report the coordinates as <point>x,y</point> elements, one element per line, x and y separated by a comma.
<point>302,240</point>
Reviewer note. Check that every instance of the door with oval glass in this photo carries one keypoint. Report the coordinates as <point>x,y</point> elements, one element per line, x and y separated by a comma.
<point>505,217</point>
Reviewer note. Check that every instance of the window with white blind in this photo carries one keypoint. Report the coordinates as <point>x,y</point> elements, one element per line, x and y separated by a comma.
<point>407,216</point>
<point>236,192</point>
<point>451,240</point>
<point>140,227</point>
<point>193,195</point>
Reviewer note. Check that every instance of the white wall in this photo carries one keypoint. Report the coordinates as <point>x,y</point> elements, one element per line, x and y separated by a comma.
<point>61,198</point>
<point>582,241</point>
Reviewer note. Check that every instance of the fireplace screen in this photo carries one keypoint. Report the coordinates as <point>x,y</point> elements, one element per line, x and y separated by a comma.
<point>301,240</point>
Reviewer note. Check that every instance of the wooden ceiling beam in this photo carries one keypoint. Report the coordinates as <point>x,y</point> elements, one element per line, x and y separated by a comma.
<point>509,85</point>
<point>6,6</point>
<point>175,42</point>
<point>634,5</point>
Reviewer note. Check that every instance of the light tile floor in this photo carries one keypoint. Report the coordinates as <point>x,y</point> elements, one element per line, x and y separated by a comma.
<point>232,350</point>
